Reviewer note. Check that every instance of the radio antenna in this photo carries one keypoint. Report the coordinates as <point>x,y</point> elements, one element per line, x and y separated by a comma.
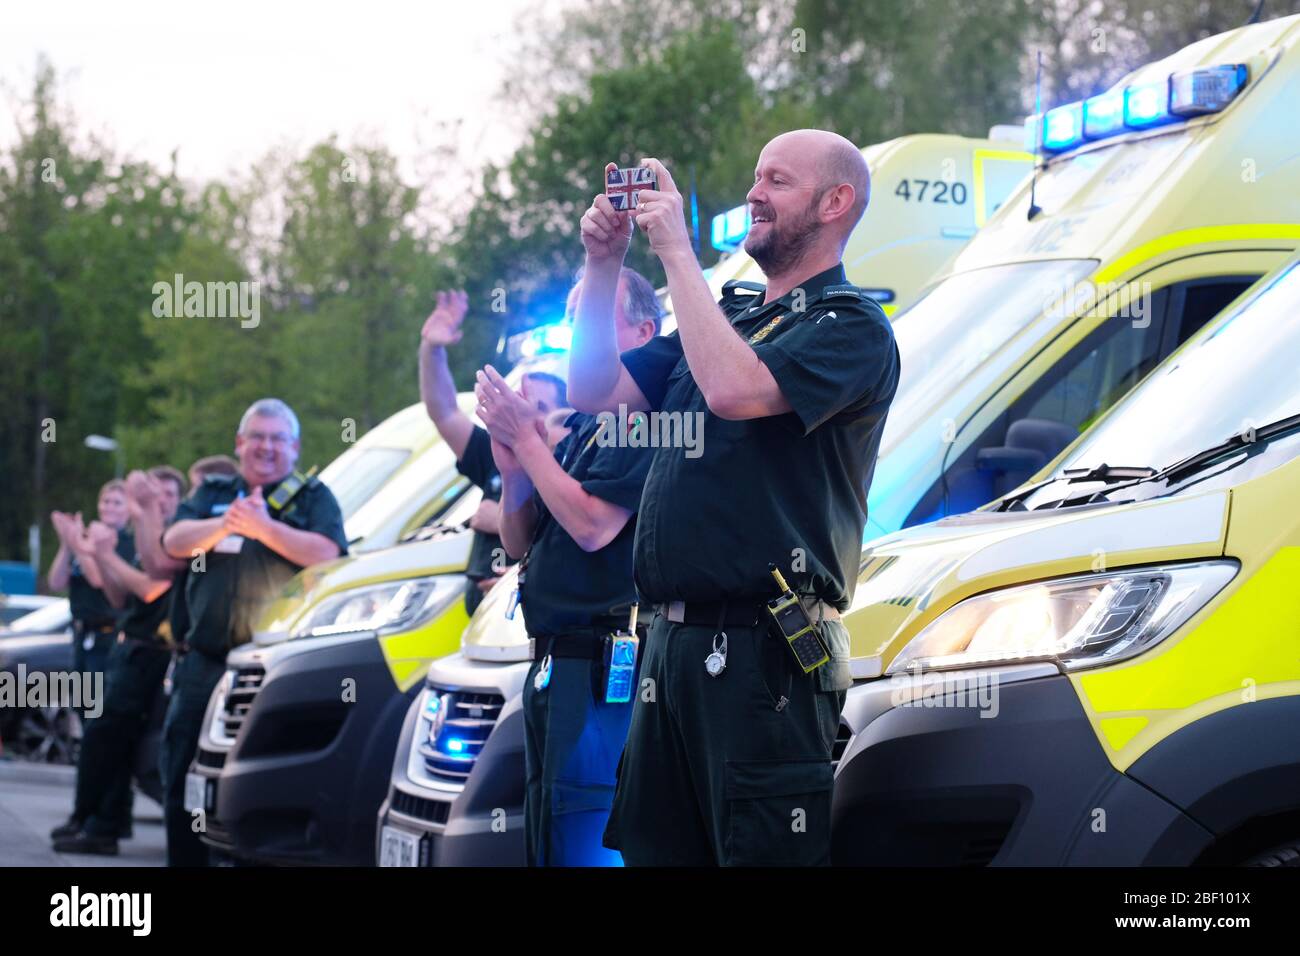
<point>1034,208</point>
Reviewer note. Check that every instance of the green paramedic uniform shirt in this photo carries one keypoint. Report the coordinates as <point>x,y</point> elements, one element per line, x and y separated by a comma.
<point>788,489</point>
<point>224,599</point>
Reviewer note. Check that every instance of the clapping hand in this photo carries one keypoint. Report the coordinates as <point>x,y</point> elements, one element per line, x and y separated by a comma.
<point>248,516</point>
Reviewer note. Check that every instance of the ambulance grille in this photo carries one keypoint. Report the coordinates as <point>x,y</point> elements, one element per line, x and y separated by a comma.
<point>450,747</point>
<point>431,811</point>
<point>243,689</point>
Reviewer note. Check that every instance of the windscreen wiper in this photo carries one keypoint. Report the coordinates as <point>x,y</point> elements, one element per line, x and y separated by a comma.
<point>429,531</point>
<point>1249,442</point>
<point>1244,440</point>
<point>1101,472</point>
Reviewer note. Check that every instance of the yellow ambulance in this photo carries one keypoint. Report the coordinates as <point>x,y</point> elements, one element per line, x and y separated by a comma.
<point>1101,667</point>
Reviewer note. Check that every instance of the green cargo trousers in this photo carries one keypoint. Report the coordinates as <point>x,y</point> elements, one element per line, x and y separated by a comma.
<point>134,681</point>
<point>733,770</point>
<point>193,680</point>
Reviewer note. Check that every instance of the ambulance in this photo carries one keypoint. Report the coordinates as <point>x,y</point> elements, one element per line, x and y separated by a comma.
<point>374,480</point>
<point>1131,234</point>
<point>1100,667</point>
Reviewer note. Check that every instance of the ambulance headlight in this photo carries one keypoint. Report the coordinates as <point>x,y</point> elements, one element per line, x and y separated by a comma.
<point>1081,621</point>
<point>395,606</point>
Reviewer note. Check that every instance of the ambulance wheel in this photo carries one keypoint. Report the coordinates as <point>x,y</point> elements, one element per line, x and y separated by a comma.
<point>1288,854</point>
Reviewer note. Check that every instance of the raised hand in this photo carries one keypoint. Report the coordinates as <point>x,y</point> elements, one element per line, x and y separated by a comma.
<point>606,232</point>
<point>443,326</point>
<point>143,488</point>
<point>659,215</point>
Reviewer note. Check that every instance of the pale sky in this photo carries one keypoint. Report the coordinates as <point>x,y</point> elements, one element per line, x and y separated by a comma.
<point>226,81</point>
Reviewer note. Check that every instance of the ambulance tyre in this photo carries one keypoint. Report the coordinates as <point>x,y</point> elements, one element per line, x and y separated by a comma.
<point>1288,854</point>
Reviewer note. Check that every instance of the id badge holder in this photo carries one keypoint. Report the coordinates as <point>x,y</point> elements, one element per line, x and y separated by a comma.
<point>231,543</point>
<point>620,662</point>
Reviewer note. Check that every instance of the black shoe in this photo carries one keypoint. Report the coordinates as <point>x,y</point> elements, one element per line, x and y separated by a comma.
<point>85,843</point>
<point>69,827</point>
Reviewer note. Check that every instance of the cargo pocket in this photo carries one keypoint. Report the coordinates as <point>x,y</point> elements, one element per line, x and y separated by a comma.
<point>778,812</point>
<point>579,813</point>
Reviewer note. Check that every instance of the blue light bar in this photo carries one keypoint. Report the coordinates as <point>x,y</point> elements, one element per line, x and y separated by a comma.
<point>1064,127</point>
<point>729,229</point>
<point>556,337</point>
<point>1208,90</point>
<point>1147,105</point>
<point>1103,115</point>
<point>1185,94</point>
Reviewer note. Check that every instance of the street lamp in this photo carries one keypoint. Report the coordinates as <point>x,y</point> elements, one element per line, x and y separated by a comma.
<point>104,443</point>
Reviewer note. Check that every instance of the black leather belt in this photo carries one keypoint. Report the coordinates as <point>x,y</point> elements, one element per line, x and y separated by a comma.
<point>586,644</point>
<point>582,646</point>
<point>739,613</point>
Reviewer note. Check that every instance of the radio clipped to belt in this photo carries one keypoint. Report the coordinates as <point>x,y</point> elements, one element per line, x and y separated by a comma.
<point>796,626</point>
<point>620,662</point>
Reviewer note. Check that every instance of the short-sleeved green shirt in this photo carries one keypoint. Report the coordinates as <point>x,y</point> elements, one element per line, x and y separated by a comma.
<point>787,489</point>
<point>224,599</point>
<point>88,603</point>
<point>565,588</point>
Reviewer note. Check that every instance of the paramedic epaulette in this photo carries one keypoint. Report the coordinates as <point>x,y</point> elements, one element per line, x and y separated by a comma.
<point>738,288</point>
<point>845,291</point>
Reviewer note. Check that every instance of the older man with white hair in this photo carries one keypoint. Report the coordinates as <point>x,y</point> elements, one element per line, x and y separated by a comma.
<point>245,536</point>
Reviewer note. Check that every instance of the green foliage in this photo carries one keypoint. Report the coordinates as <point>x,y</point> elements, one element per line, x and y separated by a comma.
<point>342,250</point>
<point>80,234</point>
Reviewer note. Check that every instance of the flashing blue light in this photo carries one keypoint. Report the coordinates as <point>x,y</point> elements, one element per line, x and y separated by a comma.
<point>1146,105</point>
<point>1064,127</point>
<point>453,745</point>
<point>1103,115</point>
<point>556,337</point>
<point>1194,92</point>
<point>729,228</point>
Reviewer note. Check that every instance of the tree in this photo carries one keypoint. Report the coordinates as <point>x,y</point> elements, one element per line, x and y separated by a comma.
<point>79,235</point>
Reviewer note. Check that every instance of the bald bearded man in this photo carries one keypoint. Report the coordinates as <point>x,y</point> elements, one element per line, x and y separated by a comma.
<point>728,757</point>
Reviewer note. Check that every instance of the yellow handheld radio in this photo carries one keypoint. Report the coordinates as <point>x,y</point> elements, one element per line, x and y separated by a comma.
<point>796,626</point>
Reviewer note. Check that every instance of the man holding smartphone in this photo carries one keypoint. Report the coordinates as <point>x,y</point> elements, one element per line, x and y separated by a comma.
<point>729,761</point>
